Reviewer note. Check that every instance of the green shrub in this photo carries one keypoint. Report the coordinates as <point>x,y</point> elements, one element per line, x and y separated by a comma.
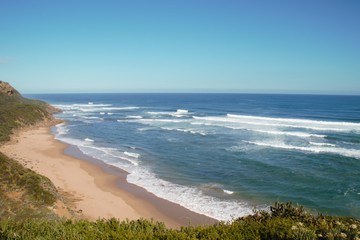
<point>37,192</point>
<point>16,111</point>
<point>258,226</point>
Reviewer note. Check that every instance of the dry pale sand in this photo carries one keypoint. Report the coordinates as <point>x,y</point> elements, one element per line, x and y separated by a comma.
<point>92,189</point>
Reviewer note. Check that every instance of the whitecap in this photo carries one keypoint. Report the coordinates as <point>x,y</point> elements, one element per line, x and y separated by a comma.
<point>131,154</point>
<point>231,120</point>
<point>160,120</point>
<point>228,192</point>
<point>92,117</point>
<point>134,117</point>
<point>322,144</point>
<point>303,123</point>
<point>192,131</point>
<point>354,153</point>
<point>295,134</point>
<point>178,113</point>
<point>182,111</point>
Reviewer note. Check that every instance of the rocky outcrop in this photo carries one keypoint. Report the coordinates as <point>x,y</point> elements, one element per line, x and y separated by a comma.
<point>7,89</point>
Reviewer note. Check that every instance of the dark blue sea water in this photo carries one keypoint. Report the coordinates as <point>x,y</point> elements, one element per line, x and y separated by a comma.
<point>224,154</point>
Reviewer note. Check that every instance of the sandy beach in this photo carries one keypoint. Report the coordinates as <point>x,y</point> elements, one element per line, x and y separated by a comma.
<point>90,188</point>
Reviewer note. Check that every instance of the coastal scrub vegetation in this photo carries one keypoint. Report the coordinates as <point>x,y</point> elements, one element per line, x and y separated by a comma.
<point>16,111</point>
<point>283,221</point>
<point>24,193</point>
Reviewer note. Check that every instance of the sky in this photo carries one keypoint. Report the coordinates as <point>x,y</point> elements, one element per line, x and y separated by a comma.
<point>287,46</point>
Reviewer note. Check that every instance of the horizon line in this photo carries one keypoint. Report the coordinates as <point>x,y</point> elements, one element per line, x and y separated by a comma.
<point>155,92</point>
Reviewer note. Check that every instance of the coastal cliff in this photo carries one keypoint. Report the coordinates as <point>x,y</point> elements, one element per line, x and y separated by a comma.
<point>7,89</point>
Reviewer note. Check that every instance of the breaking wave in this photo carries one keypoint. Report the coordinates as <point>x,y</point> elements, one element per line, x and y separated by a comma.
<point>353,153</point>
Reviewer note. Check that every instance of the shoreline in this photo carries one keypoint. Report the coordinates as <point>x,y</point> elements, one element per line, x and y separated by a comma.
<point>95,189</point>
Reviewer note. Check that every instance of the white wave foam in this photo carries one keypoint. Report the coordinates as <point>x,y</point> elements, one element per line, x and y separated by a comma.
<point>108,155</point>
<point>354,153</point>
<point>322,144</point>
<point>254,129</point>
<point>295,134</point>
<point>92,107</point>
<point>131,154</point>
<point>232,120</point>
<point>182,111</point>
<point>189,197</point>
<point>134,117</point>
<point>178,113</point>
<point>71,141</point>
<point>61,129</point>
<point>157,113</point>
<point>228,192</point>
<point>78,106</point>
<point>159,120</point>
<point>143,129</point>
<point>292,120</point>
<point>192,131</point>
<point>303,123</point>
<point>102,153</point>
<point>102,113</point>
<point>86,117</point>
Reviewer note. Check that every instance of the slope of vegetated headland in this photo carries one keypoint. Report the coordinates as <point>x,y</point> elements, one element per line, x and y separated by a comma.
<point>27,200</point>
<point>23,192</point>
<point>17,111</point>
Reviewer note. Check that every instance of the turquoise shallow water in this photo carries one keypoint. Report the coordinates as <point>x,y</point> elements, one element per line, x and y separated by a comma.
<point>223,154</point>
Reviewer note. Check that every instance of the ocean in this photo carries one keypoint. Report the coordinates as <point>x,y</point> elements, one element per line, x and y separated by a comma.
<point>223,155</point>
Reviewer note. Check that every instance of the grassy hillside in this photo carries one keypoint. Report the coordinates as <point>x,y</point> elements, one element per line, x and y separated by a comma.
<point>24,193</point>
<point>16,111</point>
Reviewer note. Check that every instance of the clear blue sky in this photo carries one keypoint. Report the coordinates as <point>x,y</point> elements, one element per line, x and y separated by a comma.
<point>309,46</point>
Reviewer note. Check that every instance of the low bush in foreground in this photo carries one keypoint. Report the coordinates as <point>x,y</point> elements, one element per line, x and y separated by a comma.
<point>23,193</point>
<point>284,221</point>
